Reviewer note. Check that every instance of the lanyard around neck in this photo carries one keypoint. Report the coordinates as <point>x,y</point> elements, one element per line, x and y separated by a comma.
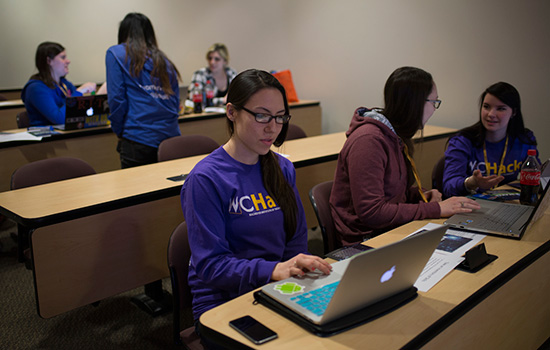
<point>415,173</point>
<point>501,166</point>
<point>64,89</point>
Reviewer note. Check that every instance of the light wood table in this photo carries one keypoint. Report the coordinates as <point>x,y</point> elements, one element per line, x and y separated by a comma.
<point>503,306</point>
<point>99,235</point>
<point>97,146</point>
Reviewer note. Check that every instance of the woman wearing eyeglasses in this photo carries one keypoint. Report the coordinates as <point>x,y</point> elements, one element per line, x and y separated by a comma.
<point>245,219</point>
<point>376,185</point>
<point>490,152</point>
<point>218,72</point>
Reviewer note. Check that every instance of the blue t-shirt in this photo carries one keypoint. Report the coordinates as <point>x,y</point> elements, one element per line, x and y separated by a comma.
<point>236,231</point>
<point>45,105</point>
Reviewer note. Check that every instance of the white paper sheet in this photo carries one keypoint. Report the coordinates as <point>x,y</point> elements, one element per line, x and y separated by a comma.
<point>446,257</point>
<point>19,136</point>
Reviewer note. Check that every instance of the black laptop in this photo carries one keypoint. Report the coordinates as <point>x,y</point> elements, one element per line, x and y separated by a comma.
<point>85,112</point>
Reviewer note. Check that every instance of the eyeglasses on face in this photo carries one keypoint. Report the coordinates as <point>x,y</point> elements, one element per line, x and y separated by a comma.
<point>266,118</point>
<point>436,103</point>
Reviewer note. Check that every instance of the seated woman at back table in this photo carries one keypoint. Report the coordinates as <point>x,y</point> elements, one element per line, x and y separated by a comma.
<point>244,216</point>
<point>45,93</point>
<point>373,186</point>
<point>490,152</point>
<point>218,72</point>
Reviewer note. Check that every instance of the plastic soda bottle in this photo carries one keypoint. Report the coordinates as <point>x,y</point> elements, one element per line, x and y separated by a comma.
<point>196,97</point>
<point>530,179</point>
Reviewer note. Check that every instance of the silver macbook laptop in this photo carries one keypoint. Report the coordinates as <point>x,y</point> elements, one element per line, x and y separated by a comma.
<point>359,281</point>
<point>500,219</point>
<point>85,112</point>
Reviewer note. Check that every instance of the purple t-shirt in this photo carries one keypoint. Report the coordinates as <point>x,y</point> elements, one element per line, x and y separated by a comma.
<point>462,158</point>
<point>236,231</point>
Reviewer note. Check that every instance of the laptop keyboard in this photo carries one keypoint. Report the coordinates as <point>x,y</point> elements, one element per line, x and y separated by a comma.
<point>316,300</point>
<point>501,218</point>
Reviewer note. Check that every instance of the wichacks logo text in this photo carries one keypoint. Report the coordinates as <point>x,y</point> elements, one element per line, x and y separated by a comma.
<point>254,204</point>
<point>493,168</point>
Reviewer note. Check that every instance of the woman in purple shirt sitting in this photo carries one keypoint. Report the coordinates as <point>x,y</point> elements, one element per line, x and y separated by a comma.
<point>245,219</point>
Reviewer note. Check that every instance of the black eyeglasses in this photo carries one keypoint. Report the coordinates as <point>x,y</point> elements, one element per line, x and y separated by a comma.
<point>266,118</point>
<point>436,103</point>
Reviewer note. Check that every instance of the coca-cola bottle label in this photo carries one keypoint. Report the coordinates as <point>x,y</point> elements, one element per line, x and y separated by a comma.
<point>530,178</point>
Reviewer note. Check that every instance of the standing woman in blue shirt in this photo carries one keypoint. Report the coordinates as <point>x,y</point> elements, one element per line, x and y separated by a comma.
<point>490,152</point>
<point>244,216</point>
<point>143,92</point>
<point>45,93</point>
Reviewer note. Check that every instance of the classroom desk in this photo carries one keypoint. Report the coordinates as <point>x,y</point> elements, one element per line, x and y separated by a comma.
<point>8,112</point>
<point>503,306</point>
<point>8,104</point>
<point>99,235</point>
<point>97,146</point>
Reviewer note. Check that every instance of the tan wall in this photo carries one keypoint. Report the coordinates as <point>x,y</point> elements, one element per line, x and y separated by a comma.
<point>340,52</point>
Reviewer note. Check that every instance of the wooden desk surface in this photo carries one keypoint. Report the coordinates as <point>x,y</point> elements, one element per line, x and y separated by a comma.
<point>99,235</point>
<point>493,309</point>
<point>39,202</point>
<point>17,103</point>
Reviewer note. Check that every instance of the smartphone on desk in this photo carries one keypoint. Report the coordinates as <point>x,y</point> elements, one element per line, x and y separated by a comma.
<point>252,329</point>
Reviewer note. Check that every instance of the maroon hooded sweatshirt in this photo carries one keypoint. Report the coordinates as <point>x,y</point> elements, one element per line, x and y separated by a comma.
<point>370,194</point>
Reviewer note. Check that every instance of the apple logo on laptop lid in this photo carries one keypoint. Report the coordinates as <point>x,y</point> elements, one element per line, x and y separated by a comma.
<point>387,275</point>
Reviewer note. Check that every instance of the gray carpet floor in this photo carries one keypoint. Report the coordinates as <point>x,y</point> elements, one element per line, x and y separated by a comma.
<point>116,323</point>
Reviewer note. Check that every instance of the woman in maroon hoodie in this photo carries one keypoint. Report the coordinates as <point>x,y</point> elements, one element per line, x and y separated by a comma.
<point>376,186</point>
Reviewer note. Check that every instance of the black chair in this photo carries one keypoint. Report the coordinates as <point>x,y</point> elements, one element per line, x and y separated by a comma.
<point>22,119</point>
<point>42,172</point>
<point>179,254</point>
<point>319,196</point>
<point>437,174</point>
<point>185,146</point>
<point>295,132</point>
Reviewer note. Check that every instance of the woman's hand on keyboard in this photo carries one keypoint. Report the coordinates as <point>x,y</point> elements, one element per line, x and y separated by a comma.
<point>299,266</point>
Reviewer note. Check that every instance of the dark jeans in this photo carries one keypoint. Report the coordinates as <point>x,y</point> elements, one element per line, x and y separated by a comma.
<point>135,154</point>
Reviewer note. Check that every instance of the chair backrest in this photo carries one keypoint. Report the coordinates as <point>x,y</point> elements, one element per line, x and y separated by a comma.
<point>185,146</point>
<point>49,170</point>
<point>179,254</point>
<point>319,196</point>
<point>437,175</point>
<point>295,132</point>
<point>22,119</point>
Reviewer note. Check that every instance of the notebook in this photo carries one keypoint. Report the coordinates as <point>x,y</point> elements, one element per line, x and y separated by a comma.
<point>354,284</point>
<point>85,112</point>
<point>500,219</point>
